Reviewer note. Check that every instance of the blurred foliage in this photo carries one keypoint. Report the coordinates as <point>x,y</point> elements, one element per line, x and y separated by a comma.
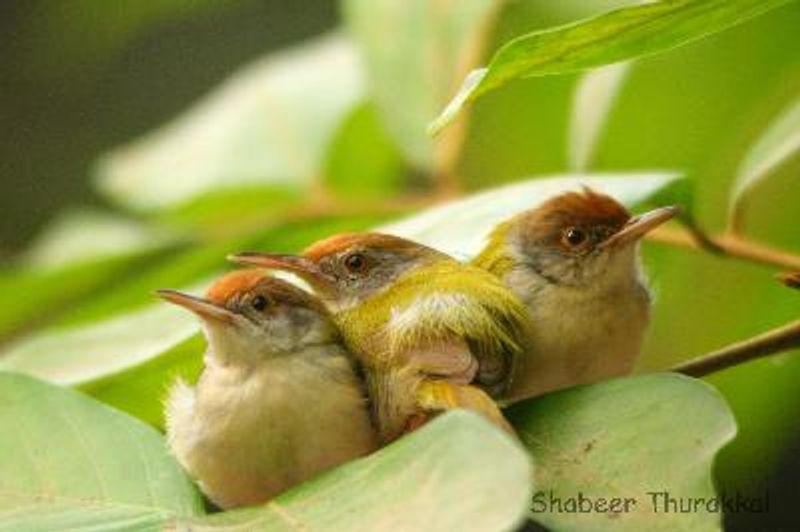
<point>412,73</point>
<point>329,136</point>
<point>79,78</point>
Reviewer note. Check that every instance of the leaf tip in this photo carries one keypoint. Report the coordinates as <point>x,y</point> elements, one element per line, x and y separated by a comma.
<point>466,93</point>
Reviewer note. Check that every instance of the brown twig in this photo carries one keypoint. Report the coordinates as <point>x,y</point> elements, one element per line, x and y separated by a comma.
<point>731,245</point>
<point>769,343</point>
<point>727,245</point>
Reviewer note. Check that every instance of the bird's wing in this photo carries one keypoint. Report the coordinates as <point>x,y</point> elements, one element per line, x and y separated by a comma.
<point>453,334</point>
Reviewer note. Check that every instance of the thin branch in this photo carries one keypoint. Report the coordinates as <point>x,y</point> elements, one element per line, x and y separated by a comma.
<point>769,343</point>
<point>727,245</point>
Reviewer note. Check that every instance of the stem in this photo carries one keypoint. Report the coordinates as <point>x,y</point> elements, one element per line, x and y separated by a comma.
<point>727,245</point>
<point>769,343</point>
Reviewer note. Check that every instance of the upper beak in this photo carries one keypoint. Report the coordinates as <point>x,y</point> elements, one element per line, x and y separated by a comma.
<point>301,266</point>
<point>638,226</point>
<point>198,305</point>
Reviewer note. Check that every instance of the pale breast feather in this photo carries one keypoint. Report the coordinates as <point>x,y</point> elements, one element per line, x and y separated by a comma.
<point>434,316</point>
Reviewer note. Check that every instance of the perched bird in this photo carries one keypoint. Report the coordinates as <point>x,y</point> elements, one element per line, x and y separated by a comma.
<point>279,399</point>
<point>574,262</point>
<point>425,327</point>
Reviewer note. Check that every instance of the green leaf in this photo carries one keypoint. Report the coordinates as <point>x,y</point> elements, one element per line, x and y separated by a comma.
<point>222,214</point>
<point>83,354</point>
<point>81,254</point>
<point>779,144</point>
<point>268,126</point>
<point>624,438</point>
<point>460,227</point>
<point>618,35</point>
<point>140,390</point>
<point>412,73</point>
<point>81,235</point>
<point>127,361</point>
<point>70,463</point>
<point>457,473</point>
<point>41,295</point>
<point>594,97</point>
<point>362,162</point>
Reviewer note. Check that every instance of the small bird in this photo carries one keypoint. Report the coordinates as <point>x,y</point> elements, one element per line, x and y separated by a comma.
<point>431,333</point>
<point>574,262</point>
<point>279,399</point>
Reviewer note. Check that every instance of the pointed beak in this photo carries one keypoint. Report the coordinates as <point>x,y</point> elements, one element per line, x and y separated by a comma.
<point>301,266</point>
<point>638,226</point>
<point>202,307</point>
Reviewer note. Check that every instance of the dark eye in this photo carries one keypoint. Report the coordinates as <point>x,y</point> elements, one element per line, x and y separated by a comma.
<point>355,262</point>
<point>574,237</point>
<point>259,303</point>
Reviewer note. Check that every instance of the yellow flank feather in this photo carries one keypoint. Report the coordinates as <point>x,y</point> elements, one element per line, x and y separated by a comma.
<point>442,301</point>
<point>495,258</point>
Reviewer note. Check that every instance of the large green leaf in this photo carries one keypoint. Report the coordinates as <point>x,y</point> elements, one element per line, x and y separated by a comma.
<point>37,296</point>
<point>412,73</point>
<point>626,33</point>
<point>80,355</point>
<point>625,438</point>
<point>71,463</point>
<point>457,473</point>
<point>778,145</point>
<point>268,126</point>
<point>460,227</point>
<point>80,255</point>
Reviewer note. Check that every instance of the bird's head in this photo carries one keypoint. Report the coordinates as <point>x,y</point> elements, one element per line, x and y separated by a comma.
<point>248,315</point>
<point>346,269</point>
<point>579,238</point>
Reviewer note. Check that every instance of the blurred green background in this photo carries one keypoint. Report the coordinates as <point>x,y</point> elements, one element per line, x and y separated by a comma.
<point>78,79</point>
